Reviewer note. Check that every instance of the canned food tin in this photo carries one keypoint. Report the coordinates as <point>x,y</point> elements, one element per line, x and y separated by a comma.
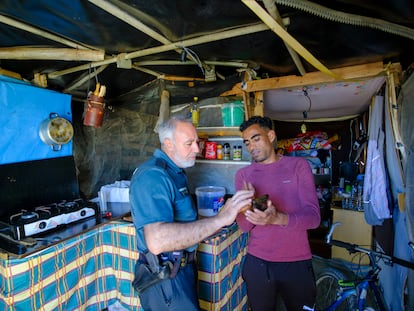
<point>211,150</point>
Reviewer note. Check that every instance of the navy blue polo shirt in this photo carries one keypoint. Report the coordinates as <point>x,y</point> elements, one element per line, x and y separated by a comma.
<point>159,193</point>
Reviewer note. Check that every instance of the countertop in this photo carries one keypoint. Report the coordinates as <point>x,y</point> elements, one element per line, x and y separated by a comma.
<point>36,243</point>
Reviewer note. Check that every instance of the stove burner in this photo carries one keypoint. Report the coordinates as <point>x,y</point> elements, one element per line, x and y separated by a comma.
<point>28,215</point>
<point>24,217</point>
<point>52,216</point>
<point>69,206</point>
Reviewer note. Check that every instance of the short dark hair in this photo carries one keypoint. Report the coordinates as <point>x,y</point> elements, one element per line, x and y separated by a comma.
<point>263,122</point>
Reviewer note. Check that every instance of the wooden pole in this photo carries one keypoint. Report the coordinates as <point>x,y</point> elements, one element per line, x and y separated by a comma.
<point>65,54</point>
<point>287,38</point>
<point>221,35</point>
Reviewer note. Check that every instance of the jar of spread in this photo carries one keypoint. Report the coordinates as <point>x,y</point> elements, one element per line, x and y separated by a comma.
<point>226,151</point>
<point>219,152</point>
<point>237,153</point>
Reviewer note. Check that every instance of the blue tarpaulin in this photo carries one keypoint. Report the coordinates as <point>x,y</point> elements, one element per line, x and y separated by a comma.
<point>23,107</point>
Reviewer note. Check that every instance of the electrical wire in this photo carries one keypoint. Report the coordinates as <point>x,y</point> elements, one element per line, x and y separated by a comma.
<point>305,92</point>
<point>305,112</point>
<point>193,55</point>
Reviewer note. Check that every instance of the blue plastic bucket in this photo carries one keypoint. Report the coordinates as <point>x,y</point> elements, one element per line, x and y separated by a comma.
<point>232,113</point>
<point>209,200</point>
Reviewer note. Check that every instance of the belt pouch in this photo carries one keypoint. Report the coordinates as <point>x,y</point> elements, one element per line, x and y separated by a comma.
<point>149,274</point>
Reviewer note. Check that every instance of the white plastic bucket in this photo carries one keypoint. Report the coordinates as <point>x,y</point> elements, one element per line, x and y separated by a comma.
<point>209,200</point>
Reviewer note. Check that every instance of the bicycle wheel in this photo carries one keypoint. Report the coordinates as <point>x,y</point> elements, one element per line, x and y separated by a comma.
<point>327,289</point>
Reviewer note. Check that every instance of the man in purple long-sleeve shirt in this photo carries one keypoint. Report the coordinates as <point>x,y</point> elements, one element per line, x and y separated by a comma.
<point>279,259</point>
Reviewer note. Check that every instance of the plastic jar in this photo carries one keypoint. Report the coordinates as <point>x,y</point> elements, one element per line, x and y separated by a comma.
<point>219,152</point>
<point>237,153</point>
<point>226,151</point>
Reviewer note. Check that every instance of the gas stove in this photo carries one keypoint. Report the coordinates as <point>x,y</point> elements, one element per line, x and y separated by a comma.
<point>30,230</point>
<point>48,217</point>
<point>40,204</point>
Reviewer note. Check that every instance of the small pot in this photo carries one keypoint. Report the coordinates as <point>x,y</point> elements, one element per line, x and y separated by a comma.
<point>55,131</point>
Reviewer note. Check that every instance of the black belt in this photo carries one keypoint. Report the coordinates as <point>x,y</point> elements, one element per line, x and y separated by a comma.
<point>176,260</point>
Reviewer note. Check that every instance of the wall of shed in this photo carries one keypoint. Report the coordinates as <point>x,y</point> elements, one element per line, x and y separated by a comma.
<point>126,139</point>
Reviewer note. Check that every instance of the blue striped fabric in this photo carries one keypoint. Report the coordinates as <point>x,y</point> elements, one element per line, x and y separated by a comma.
<point>94,270</point>
<point>88,272</point>
<point>220,285</point>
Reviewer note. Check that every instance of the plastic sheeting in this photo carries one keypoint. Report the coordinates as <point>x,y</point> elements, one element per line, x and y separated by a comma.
<point>23,107</point>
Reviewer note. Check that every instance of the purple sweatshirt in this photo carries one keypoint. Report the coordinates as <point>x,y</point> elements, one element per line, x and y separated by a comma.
<point>290,185</point>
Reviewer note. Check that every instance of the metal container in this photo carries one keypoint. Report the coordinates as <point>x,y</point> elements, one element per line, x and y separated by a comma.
<point>55,131</point>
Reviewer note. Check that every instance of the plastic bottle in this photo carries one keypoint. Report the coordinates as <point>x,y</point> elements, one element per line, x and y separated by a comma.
<point>195,112</point>
<point>359,192</point>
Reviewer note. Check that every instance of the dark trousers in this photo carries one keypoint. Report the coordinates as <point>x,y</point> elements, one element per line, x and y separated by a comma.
<point>176,294</point>
<point>294,282</point>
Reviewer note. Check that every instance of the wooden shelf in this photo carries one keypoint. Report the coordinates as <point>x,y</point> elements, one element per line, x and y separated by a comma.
<point>219,131</point>
<point>230,162</point>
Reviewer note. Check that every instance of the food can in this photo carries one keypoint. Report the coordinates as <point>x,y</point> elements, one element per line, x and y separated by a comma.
<point>211,150</point>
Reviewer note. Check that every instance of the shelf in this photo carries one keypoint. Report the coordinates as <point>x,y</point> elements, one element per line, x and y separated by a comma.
<point>225,138</point>
<point>219,131</point>
<point>228,162</point>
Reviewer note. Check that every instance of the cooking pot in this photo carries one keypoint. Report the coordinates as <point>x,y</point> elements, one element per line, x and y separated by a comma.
<point>55,131</point>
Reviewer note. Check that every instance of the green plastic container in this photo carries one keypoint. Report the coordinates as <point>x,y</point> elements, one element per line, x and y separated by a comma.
<point>232,113</point>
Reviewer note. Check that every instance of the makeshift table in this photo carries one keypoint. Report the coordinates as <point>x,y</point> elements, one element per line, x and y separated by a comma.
<point>93,270</point>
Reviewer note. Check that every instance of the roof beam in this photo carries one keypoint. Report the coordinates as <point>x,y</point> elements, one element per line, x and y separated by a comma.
<point>180,63</point>
<point>129,19</point>
<point>274,12</point>
<point>219,35</point>
<point>64,54</point>
<point>286,37</point>
<point>357,72</point>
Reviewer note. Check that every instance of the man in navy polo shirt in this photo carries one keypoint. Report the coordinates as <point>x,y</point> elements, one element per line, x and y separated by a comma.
<point>165,218</point>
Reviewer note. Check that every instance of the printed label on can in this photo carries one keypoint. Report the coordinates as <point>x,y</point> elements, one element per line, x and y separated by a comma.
<point>211,150</point>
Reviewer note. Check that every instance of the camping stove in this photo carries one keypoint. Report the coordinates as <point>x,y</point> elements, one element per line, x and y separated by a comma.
<point>48,217</point>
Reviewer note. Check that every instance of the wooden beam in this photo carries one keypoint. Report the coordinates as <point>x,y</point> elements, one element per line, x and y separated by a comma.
<point>220,35</point>
<point>357,72</point>
<point>258,104</point>
<point>129,19</point>
<point>86,77</point>
<point>287,38</point>
<point>216,36</point>
<point>191,63</point>
<point>270,6</point>
<point>42,53</point>
<point>9,73</point>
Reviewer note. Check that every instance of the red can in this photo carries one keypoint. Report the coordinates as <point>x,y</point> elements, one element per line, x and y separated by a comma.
<point>211,150</point>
